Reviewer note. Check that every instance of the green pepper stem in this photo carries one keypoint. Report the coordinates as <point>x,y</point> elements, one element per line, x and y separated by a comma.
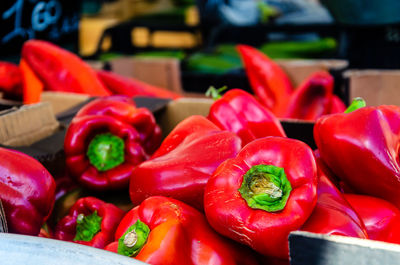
<point>106,151</point>
<point>133,240</point>
<point>215,93</point>
<point>265,187</point>
<point>357,103</point>
<point>87,226</point>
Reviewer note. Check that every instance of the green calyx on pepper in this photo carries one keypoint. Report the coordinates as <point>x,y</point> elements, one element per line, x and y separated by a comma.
<point>357,103</point>
<point>133,240</point>
<point>106,151</point>
<point>87,226</point>
<point>265,187</point>
<point>215,93</point>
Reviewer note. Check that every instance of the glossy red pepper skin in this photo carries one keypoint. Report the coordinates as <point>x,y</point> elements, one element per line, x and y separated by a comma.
<point>124,108</point>
<point>137,128</point>
<point>11,81</point>
<point>239,112</point>
<point>361,148</point>
<point>132,87</point>
<point>266,232</point>
<point>26,191</point>
<point>180,234</point>
<point>333,215</point>
<point>314,98</point>
<point>61,70</point>
<point>381,218</point>
<point>185,160</point>
<point>268,81</point>
<point>111,216</point>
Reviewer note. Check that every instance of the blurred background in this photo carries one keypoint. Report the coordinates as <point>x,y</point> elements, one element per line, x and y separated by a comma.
<point>202,33</point>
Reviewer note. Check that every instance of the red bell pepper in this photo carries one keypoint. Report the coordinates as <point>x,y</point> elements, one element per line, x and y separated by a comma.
<point>106,140</point>
<point>333,215</point>
<point>185,160</point>
<point>263,194</point>
<point>61,70</point>
<point>26,191</point>
<point>314,98</point>
<point>90,222</point>
<point>381,218</point>
<point>132,87</point>
<point>239,112</point>
<point>361,148</point>
<point>267,79</point>
<point>166,231</point>
<point>10,80</point>
<point>124,108</point>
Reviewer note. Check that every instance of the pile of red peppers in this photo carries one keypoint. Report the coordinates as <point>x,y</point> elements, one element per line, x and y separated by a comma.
<point>227,188</point>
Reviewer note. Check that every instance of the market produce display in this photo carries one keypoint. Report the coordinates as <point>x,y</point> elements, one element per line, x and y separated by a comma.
<point>224,188</point>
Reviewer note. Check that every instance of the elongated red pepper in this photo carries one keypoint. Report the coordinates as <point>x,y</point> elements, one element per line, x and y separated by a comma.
<point>185,160</point>
<point>314,98</point>
<point>106,140</point>
<point>381,218</point>
<point>239,112</point>
<point>132,87</point>
<point>268,81</point>
<point>166,231</point>
<point>11,82</point>
<point>333,215</point>
<point>26,191</point>
<point>90,222</point>
<point>361,148</point>
<point>61,70</point>
<point>264,193</point>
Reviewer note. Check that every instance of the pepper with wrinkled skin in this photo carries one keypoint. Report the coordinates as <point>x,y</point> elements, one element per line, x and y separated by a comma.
<point>185,160</point>
<point>314,98</point>
<point>26,191</point>
<point>90,222</point>
<point>333,215</point>
<point>132,87</point>
<point>264,193</point>
<point>165,231</point>
<point>381,218</point>
<point>239,112</point>
<point>61,70</point>
<point>107,139</point>
<point>268,81</point>
<point>361,148</point>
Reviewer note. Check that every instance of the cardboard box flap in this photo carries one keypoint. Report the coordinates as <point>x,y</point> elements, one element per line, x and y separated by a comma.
<point>27,124</point>
<point>182,108</point>
<point>62,101</point>
<point>376,87</point>
<point>315,249</point>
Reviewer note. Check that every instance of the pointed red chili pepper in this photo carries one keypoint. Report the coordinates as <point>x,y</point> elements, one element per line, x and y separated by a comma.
<point>267,79</point>
<point>61,70</point>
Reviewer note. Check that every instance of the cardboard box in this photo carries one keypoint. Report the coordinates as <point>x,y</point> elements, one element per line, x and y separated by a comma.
<point>376,87</point>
